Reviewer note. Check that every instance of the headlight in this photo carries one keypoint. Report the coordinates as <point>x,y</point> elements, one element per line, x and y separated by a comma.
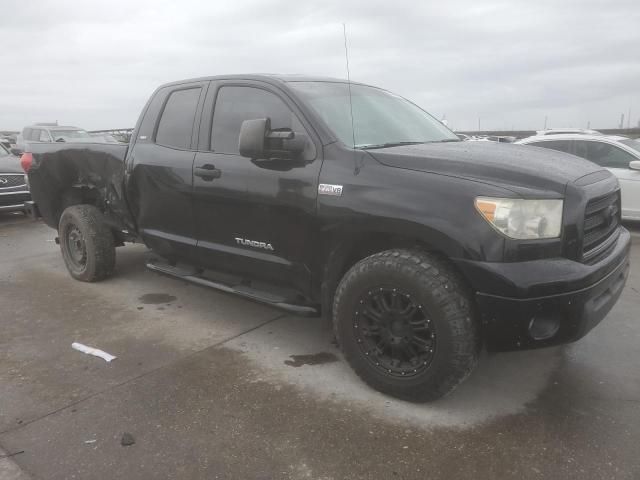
<point>522,219</point>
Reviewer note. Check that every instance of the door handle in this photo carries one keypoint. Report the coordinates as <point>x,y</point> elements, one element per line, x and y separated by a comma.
<point>207,172</point>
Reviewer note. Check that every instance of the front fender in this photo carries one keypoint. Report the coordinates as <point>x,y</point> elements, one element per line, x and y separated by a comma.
<point>438,210</point>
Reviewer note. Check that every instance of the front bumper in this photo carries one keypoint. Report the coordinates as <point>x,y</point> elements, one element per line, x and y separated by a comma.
<point>547,302</point>
<point>14,200</point>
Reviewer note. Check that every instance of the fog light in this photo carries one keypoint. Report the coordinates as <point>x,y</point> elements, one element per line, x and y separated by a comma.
<point>544,326</point>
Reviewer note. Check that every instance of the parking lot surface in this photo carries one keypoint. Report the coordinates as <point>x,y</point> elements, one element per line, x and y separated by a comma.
<point>209,385</point>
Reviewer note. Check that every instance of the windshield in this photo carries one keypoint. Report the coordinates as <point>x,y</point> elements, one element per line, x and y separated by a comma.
<point>380,118</point>
<point>67,134</point>
<point>635,144</point>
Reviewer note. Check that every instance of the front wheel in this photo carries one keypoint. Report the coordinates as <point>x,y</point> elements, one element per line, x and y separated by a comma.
<point>405,323</point>
<point>87,244</point>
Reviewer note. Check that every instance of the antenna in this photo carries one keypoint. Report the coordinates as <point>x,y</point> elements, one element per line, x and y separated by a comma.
<point>346,56</point>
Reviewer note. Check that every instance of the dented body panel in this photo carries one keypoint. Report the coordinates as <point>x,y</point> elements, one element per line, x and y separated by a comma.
<point>61,174</point>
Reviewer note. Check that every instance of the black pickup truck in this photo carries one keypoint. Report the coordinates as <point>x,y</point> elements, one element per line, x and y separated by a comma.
<point>322,196</point>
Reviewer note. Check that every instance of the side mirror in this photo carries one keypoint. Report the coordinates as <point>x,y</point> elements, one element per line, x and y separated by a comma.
<point>253,134</point>
<point>296,145</point>
<point>634,165</point>
<point>257,140</point>
<point>16,151</point>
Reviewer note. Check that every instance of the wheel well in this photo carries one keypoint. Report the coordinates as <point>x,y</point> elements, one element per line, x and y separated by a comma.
<point>345,255</point>
<point>76,196</point>
<point>83,194</point>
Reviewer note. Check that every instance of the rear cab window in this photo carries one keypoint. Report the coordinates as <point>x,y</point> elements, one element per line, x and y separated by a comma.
<point>175,126</point>
<point>34,135</point>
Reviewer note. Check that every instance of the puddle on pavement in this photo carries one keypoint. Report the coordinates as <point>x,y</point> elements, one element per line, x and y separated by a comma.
<point>156,298</point>
<point>313,359</point>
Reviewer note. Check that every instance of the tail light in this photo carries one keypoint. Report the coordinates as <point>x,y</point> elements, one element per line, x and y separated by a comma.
<point>25,161</point>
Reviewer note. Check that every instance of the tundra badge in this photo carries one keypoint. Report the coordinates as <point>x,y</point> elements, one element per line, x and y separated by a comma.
<point>326,189</point>
<point>252,243</point>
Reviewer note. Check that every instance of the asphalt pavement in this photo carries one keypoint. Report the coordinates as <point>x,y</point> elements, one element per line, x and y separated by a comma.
<point>209,385</point>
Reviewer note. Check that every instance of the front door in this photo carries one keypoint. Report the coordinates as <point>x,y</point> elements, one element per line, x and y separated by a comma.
<point>254,216</point>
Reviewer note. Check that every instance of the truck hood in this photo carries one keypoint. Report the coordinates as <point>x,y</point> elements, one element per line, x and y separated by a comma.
<point>515,167</point>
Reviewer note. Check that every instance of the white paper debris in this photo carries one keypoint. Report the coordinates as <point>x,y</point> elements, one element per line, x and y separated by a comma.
<point>90,441</point>
<point>107,357</point>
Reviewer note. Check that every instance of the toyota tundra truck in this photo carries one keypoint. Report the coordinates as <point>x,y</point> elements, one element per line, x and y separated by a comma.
<point>328,197</point>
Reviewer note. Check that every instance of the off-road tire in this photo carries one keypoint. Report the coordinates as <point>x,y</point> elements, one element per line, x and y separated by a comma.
<point>88,224</point>
<point>443,295</point>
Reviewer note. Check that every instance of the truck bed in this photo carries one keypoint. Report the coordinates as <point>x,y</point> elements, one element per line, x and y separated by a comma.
<point>62,172</point>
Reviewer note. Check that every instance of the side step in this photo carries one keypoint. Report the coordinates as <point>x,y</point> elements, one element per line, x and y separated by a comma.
<point>193,275</point>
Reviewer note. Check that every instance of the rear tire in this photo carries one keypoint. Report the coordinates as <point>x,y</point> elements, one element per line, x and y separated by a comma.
<point>405,322</point>
<point>86,243</point>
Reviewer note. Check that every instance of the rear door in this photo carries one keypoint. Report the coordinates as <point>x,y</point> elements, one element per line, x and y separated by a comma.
<point>160,184</point>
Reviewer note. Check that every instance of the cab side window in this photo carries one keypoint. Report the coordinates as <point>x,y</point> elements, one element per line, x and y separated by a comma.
<point>607,155</point>
<point>560,145</point>
<point>234,105</point>
<point>176,123</point>
<point>44,136</point>
<point>34,135</point>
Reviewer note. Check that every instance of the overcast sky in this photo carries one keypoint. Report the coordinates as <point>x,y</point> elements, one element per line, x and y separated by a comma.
<point>510,63</point>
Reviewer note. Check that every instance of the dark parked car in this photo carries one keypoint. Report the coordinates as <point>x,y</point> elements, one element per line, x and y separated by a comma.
<point>14,191</point>
<point>319,196</point>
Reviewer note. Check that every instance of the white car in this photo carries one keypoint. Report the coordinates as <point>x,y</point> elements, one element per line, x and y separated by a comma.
<point>620,155</point>
<point>561,131</point>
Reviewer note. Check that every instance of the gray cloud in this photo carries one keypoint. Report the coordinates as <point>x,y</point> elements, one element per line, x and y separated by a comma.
<point>510,63</point>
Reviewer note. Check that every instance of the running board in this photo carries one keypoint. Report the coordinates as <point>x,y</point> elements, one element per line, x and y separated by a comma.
<point>192,275</point>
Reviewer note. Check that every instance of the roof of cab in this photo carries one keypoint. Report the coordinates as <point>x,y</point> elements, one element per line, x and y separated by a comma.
<point>272,78</point>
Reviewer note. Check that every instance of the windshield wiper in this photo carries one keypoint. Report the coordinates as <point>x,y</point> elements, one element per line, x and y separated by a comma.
<point>387,145</point>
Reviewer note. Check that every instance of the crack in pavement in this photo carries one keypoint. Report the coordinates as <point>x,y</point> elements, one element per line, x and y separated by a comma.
<point>10,469</point>
<point>142,375</point>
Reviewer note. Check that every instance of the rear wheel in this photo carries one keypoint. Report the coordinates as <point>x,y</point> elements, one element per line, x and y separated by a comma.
<point>405,323</point>
<point>86,243</point>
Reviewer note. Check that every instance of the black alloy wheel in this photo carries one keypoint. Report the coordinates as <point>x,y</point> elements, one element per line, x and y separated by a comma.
<point>394,332</point>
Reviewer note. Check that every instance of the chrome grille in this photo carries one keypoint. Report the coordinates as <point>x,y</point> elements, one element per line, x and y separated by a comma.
<point>601,226</point>
<point>8,180</point>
